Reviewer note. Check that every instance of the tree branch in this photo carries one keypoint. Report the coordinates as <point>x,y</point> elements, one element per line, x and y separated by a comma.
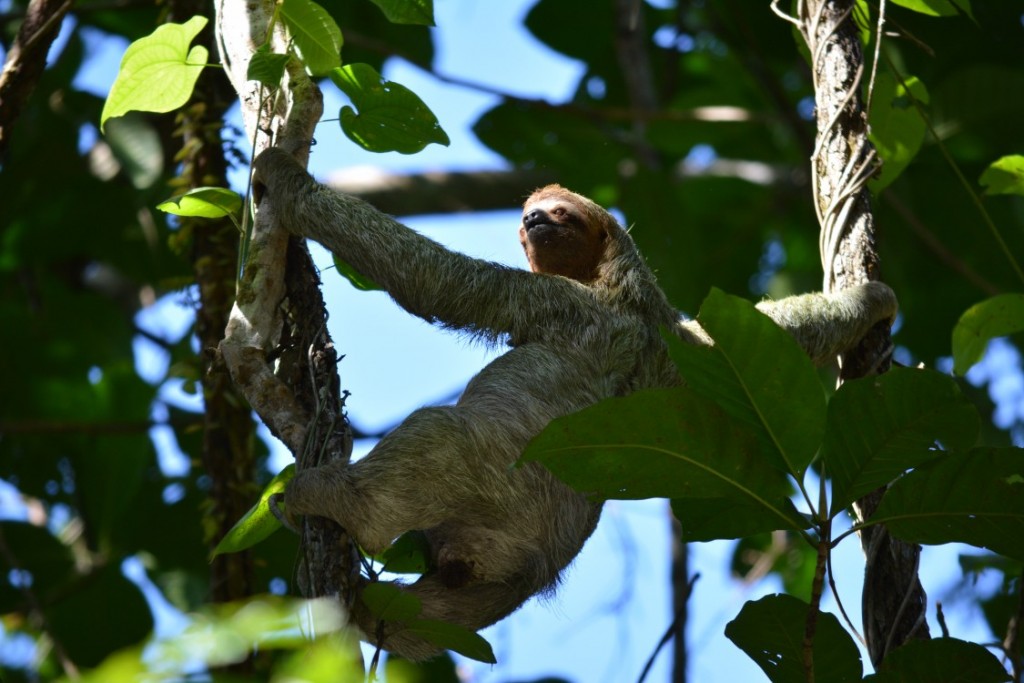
<point>26,61</point>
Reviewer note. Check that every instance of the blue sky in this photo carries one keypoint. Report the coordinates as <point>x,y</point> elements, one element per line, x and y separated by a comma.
<point>614,604</point>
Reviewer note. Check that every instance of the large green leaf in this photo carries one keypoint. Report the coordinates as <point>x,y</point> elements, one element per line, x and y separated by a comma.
<point>408,11</point>
<point>391,117</point>
<point>771,632</point>
<point>757,374</point>
<point>879,427</point>
<point>453,637</point>
<point>1000,315</point>
<point>317,37</point>
<point>667,443</point>
<point>897,129</point>
<point>977,498</point>
<point>940,660</point>
<point>157,72</point>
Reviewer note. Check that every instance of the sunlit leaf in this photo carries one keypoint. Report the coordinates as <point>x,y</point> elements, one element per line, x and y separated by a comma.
<point>995,317</point>
<point>879,427</point>
<point>771,632</point>
<point>390,118</point>
<point>158,72</point>
<point>204,202</point>
<point>977,498</point>
<point>937,8</point>
<point>1004,176</point>
<point>259,522</point>
<point>317,37</point>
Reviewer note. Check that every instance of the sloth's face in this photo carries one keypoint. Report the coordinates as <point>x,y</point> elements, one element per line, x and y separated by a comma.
<point>562,234</point>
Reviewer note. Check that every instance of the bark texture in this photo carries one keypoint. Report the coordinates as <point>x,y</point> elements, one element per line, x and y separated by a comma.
<point>894,601</point>
<point>276,344</point>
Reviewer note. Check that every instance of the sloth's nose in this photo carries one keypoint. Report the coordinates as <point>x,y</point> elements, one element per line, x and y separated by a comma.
<point>533,218</point>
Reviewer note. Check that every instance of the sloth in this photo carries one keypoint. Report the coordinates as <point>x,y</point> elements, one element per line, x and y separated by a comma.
<point>582,325</point>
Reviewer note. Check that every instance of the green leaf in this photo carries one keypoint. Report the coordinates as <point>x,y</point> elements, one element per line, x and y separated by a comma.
<point>995,317</point>
<point>712,519</point>
<point>940,660</point>
<point>1004,176</point>
<point>267,67</point>
<point>879,427</point>
<point>937,8</point>
<point>204,202</point>
<point>408,11</point>
<point>391,117</point>
<point>317,37</point>
<point>977,498</point>
<point>758,374</point>
<point>407,555</point>
<point>897,129</point>
<point>355,278</point>
<point>771,632</point>
<point>667,443</point>
<point>454,637</point>
<point>389,602</point>
<point>158,72</point>
<point>259,522</point>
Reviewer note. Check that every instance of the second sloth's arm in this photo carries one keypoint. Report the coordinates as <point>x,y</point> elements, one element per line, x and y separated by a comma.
<point>425,278</point>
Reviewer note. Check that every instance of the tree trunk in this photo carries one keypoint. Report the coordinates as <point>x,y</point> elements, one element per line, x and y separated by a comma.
<point>279,309</point>
<point>894,602</point>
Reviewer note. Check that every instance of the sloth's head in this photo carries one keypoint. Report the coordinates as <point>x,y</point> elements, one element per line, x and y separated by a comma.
<point>564,233</point>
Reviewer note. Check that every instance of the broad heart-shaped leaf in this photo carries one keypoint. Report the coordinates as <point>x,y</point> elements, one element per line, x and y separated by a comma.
<point>771,632</point>
<point>879,427</point>
<point>355,278</point>
<point>157,72</point>
<point>1004,176</point>
<point>940,660</point>
<point>897,129</point>
<point>259,522</point>
<point>453,637</point>
<point>757,374</point>
<point>391,117</point>
<point>204,202</point>
<point>975,498</point>
<point>407,11</point>
<point>668,443</point>
<point>316,35</point>
<point>1000,315</point>
<point>266,67</point>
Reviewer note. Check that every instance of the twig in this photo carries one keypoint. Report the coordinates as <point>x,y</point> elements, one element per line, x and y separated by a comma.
<point>669,632</point>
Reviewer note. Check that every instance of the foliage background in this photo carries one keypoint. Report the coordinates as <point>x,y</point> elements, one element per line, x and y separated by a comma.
<point>87,427</point>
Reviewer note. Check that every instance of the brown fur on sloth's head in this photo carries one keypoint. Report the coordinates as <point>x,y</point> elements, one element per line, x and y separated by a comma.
<point>564,233</point>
